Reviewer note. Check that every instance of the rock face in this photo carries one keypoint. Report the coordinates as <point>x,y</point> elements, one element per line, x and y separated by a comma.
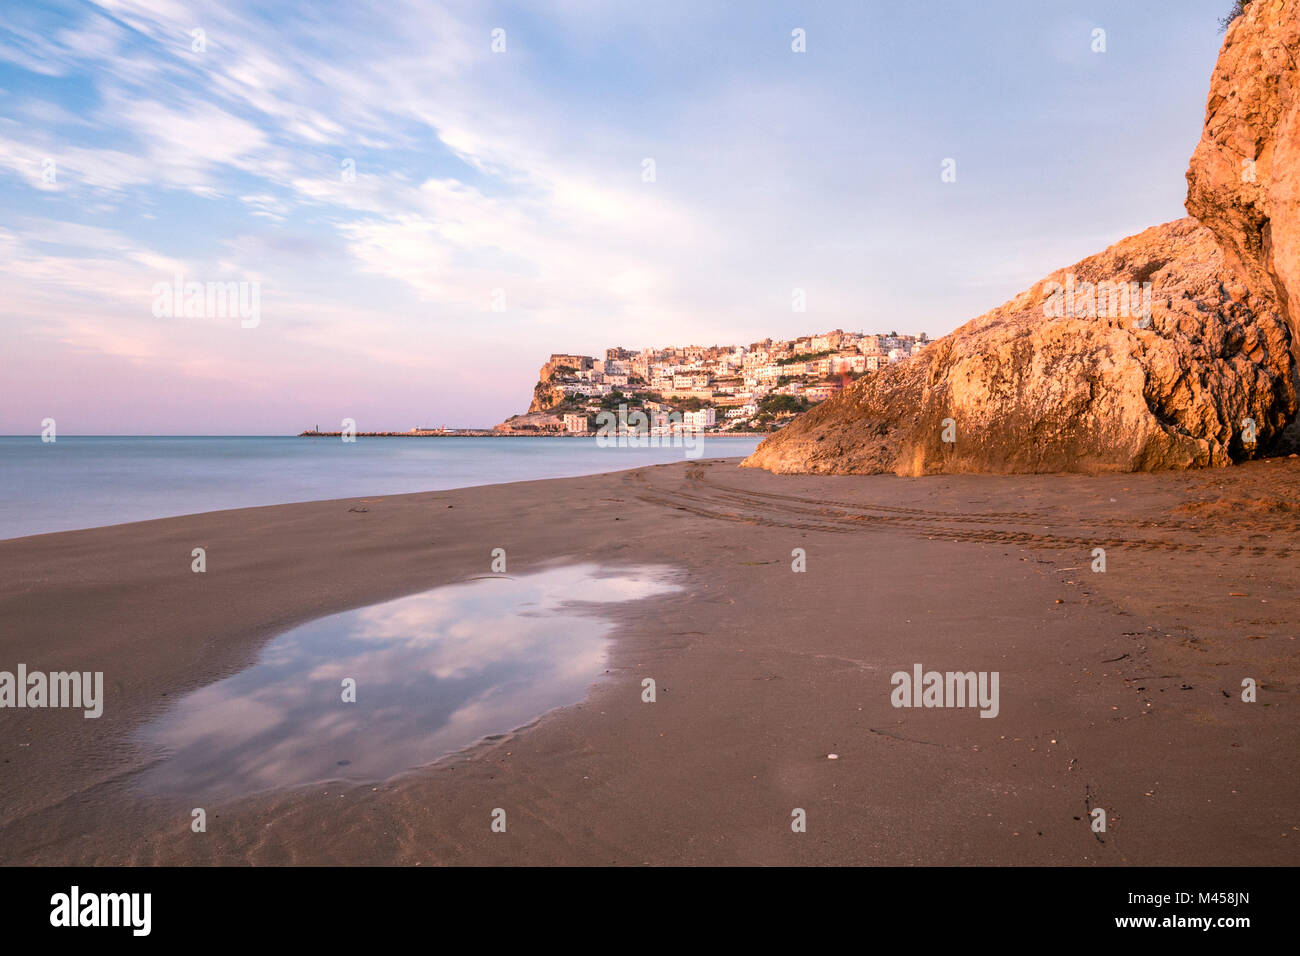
<point>1058,380</point>
<point>1017,391</point>
<point>546,394</point>
<point>1243,182</point>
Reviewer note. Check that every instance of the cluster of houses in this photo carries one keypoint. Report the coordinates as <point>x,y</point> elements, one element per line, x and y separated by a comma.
<point>713,388</point>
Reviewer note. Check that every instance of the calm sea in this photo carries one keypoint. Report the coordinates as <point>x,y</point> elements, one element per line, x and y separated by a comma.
<point>79,482</point>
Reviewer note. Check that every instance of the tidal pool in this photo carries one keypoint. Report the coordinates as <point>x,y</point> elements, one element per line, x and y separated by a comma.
<point>435,672</point>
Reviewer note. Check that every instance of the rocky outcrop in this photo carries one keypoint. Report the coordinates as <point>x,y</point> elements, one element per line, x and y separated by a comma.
<point>533,423</point>
<point>1063,379</point>
<point>548,394</point>
<point>545,395</point>
<point>1243,182</point>
<point>1018,391</point>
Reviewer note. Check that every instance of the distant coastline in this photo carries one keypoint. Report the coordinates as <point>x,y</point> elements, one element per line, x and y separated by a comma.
<point>490,433</point>
<point>412,433</point>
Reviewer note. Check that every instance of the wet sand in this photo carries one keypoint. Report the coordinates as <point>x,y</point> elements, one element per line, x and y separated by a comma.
<point>1118,690</point>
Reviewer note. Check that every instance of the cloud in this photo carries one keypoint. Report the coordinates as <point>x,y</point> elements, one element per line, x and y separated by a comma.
<point>477,171</point>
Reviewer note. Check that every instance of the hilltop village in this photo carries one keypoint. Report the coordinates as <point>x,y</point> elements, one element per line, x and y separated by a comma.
<point>719,388</point>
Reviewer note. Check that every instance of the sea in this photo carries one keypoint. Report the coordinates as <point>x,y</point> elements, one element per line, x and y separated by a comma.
<point>86,482</point>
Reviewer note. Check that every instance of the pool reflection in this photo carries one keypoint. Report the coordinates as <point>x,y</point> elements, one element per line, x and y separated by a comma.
<point>435,672</point>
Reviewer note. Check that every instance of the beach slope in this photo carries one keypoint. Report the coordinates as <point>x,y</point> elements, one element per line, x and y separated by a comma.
<point>1119,690</point>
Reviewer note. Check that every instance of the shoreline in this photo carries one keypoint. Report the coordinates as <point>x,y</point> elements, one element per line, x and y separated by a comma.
<point>761,672</point>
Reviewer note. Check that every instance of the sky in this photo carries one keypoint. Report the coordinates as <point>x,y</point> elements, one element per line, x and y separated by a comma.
<point>428,198</point>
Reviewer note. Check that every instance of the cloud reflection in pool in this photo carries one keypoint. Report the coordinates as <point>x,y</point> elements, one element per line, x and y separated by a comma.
<point>435,672</point>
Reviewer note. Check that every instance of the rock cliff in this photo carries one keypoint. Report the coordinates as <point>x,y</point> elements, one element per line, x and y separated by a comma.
<point>1243,182</point>
<point>547,394</point>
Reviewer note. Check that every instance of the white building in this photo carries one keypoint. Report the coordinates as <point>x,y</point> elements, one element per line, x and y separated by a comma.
<point>698,421</point>
<point>695,381</point>
<point>848,363</point>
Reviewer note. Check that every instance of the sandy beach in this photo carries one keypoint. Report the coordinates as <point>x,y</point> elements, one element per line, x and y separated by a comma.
<point>1119,690</point>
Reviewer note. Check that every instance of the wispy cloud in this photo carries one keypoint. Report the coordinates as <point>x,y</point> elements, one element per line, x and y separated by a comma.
<point>381,171</point>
